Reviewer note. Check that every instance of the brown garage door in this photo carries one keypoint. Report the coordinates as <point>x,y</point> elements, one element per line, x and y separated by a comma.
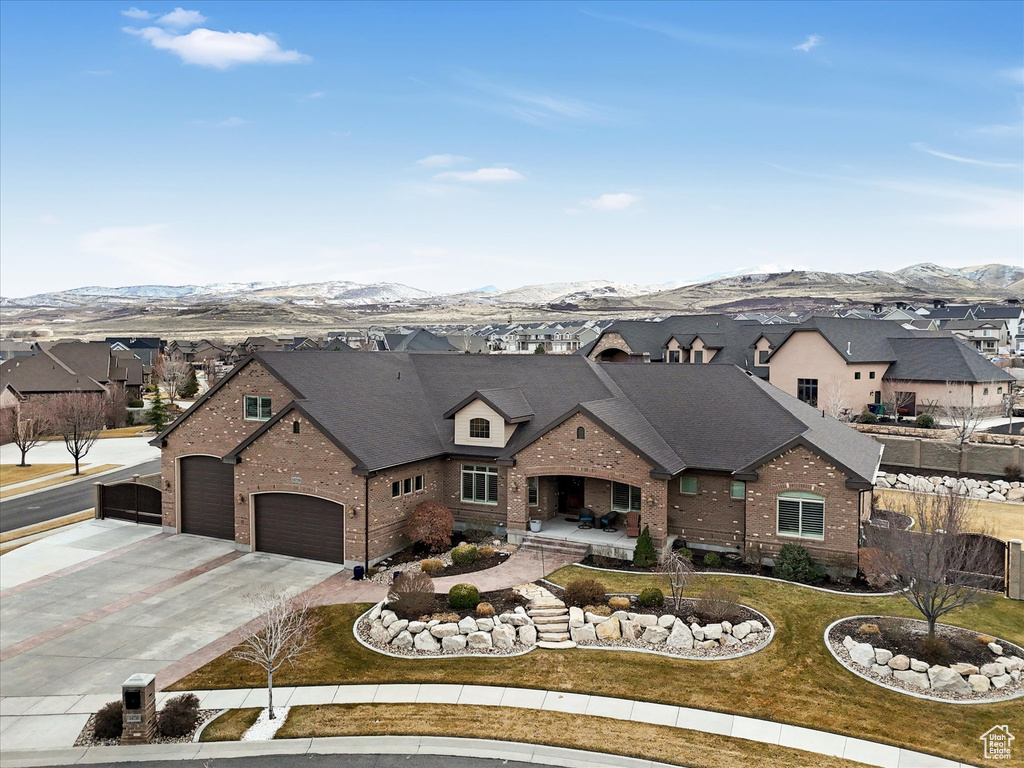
<point>300,526</point>
<point>207,497</point>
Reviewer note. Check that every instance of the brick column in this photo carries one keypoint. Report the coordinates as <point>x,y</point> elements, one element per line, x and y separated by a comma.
<point>654,510</point>
<point>517,500</point>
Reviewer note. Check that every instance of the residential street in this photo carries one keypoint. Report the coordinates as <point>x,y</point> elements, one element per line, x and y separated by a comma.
<point>64,499</point>
<point>336,761</point>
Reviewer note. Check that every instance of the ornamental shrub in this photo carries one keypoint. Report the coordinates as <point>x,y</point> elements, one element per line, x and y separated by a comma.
<point>584,591</point>
<point>793,563</point>
<point>598,610</point>
<point>651,597</point>
<point>485,610</point>
<point>109,721</point>
<point>485,551</point>
<point>867,417</point>
<point>618,603</point>
<point>645,555</point>
<point>686,554</point>
<point>924,421</point>
<point>717,603</point>
<point>411,594</point>
<point>431,565</point>
<point>179,716</point>
<point>463,597</point>
<point>430,524</point>
<point>464,554</point>
<point>712,559</point>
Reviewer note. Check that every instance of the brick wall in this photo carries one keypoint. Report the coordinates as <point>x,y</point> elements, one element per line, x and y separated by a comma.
<point>711,516</point>
<point>390,516</point>
<point>464,511</point>
<point>802,470</point>
<point>600,457</point>
<point>218,426</point>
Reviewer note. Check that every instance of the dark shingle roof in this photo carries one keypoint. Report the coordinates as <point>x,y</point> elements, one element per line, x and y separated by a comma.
<point>943,358</point>
<point>43,372</point>
<point>733,339</point>
<point>420,340</point>
<point>857,340</point>
<point>510,403</point>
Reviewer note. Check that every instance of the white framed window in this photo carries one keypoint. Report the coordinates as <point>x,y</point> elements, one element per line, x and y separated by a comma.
<point>257,408</point>
<point>479,484</point>
<point>480,428</point>
<point>533,485</point>
<point>625,498</point>
<point>801,514</point>
<point>673,355</point>
<point>396,489</point>
<point>698,356</point>
<point>419,482</point>
<point>737,490</point>
<point>407,486</point>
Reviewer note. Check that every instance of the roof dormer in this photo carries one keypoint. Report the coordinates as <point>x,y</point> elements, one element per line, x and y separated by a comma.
<point>489,417</point>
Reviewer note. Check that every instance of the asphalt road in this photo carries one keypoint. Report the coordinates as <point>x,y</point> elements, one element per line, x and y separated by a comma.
<point>64,499</point>
<point>335,761</point>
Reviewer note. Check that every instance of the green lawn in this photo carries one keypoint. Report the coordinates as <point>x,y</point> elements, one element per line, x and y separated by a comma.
<point>794,680</point>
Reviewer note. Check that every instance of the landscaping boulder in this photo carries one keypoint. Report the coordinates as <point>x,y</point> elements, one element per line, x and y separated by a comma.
<point>402,640</point>
<point>620,615</point>
<point>584,634</point>
<point>848,642</point>
<point>479,640</point>
<point>484,625</point>
<point>863,654</point>
<point>444,630</point>
<point>608,630</point>
<point>914,679</point>
<point>515,619</point>
<point>576,617</point>
<point>899,662</point>
<point>415,627</point>
<point>979,683</point>
<point>1000,681</point>
<point>375,611</point>
<point>467,625</point>
<point>503,636</point>
<point>945,679</point>
<point>697,630</point>
<point>741,630</point>
<point>882,656</point>
<point>666,621</point>
<point>994,669</point>
<point>453,643</point>
<point>712,631</point>
<point>528,634</point>
<point>681,636</point>
<point>705,644</point>
<point>379,633</point>
<point>881,670</point>
<point>425,641</point>
<point>1011,662</point>
<point>645,619</point>
<point>918,666</point>
<point>727,627</point>
<point>596,618</point>
<point>996,648</point>
<point>755,625</point>
<point>629,630</point>
<point>655,635</point>
<point>388,617</point>
<point>728,640</point>
<point>964,669</point>
<point>397,626</point>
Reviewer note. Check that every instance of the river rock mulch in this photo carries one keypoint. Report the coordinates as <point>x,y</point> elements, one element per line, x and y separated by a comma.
<point>86,738</point>
<point>409,560</point>
<point>958,665</point>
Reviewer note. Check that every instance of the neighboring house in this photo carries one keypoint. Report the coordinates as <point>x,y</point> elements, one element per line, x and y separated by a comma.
<point>13,348</point>
<point>989,337</point>
<point>418,340</point>
<point>146,348</point>
<point>73,366</point>
<point>841,364</point>
<point>464,341</point>
<point>326,456</point>
<point>1011,312</point>
<point>197,352</point>
<point>10,403</point>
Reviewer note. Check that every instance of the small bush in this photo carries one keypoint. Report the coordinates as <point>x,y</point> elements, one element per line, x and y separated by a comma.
<point>793,563</point>
<point>869,629</point>
<point>445,617</point>
<point>878,566</point>
<point>619,603</point>
<point>924,421</point>
<point>431,565</point>
<point>868,418</point>
<point>934,650</point>
<point>651,597</point>
<point>137,403</point>
<point>411,594</point>
<point>717,603</point>
<point>1012,473</point>
<point>109,721</point>
<point>179,716</point>
<point>463,597</point>
<point>644,556</point>
<point>464,554</point>
<point>712,560</point>
<point>485,551</point>
<point>478,530</point>
<point>584,591</point>
<point>686,554</point>
<point>430,524</point>
<point>598,610</point>
<point>485,610</point>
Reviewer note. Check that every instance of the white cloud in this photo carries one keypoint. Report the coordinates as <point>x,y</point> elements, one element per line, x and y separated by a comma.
<point>999,130</point>
<point>615,201</point>
<point>316,95</point>
<point>209,48</point>
<point>179,18</point>
<point>481,174</point>
<point>231,122</point>
<point>958,159</point>
<point>812,41</point>
<point>1015,75</point>
<point>441,161</point>
<point>137,13</point>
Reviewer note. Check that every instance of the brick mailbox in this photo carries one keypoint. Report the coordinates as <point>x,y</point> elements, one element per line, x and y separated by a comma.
<point>138,694</point>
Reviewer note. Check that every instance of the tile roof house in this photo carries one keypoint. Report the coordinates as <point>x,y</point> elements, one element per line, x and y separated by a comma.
<point>73,366</point>
<point>325,456</point>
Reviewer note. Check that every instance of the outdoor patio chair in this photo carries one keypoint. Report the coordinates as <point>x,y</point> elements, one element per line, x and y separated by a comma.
<point>632,524</point>
<point>586,518</point>
<point>606,522</point>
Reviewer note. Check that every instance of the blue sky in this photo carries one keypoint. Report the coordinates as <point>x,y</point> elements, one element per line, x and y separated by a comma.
<point>454,145</point>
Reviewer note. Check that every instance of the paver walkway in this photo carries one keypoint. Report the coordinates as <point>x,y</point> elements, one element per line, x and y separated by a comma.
<point>736,726</point>
<point>521,567</point>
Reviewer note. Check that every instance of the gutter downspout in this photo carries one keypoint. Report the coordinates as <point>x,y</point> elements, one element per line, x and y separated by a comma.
<point>366,524</point>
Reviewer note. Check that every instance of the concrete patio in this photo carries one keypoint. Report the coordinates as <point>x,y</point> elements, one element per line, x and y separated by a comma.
<point>602,542</point>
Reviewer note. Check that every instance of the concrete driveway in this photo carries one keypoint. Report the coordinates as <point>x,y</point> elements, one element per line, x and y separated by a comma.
<point>82,610</point>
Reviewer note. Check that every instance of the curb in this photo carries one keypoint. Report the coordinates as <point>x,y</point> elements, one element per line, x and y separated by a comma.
<point>199,732</point>
<point>926,697</point>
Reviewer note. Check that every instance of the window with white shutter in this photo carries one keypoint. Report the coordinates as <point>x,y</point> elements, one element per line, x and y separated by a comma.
<point>479,484</point>
<point>625,498</point>
<point>801,514</point>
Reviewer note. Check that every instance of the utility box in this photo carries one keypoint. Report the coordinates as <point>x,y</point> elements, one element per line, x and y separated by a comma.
<point>138,695</point>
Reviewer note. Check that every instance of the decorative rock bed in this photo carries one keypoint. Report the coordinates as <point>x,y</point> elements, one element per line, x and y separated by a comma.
<point>992,490</point>
<point>508,634</point>
<point>965,683</point>
<point>86,737</point>
<point>672,635</point>
<point>385,575</point>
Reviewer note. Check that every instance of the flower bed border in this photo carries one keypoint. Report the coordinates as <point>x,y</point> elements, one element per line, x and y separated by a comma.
<point>880,684</point>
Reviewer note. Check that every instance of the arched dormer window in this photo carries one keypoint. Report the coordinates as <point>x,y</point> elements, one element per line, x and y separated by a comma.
<point>581,433</point>
<point>480,428</point>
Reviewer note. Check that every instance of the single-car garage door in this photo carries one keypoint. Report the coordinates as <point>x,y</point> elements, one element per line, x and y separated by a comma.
<point>300,526</point>
<point>207,497</point>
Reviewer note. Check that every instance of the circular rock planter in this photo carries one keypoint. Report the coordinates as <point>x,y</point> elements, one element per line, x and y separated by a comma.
<point>672,635</point>
<point>508,634</point>
<point>978,669</point>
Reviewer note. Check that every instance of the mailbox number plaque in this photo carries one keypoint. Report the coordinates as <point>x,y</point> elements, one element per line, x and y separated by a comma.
<point>133,718</point>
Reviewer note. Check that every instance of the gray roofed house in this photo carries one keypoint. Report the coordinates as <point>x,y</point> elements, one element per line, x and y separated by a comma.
<point>417,340</point>
<point>73,366</point>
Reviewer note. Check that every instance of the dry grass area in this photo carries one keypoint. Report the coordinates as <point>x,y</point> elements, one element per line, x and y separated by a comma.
<point>1002,519</point>
<point>231,725</point>
<point>58,480</point>
<point>597,734</point>
<point>12,473</point>
<point>794,680</point>
<point>137,431</point>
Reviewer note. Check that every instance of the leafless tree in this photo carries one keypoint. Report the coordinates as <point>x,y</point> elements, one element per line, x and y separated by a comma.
<point>27,424</point>
<point>173,371</point>
<point>963,417</point>
<point>834,398</point>
<point>935,561</point>
<point>78,417</point>
<point>680,573</point>
<point>282,632</point>
<point>117,407</point>
<point>898,395</point>
<point>210,371</point>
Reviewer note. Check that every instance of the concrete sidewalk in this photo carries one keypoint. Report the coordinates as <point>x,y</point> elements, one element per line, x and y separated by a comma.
<point>113,450</point>
<point>735,726</point>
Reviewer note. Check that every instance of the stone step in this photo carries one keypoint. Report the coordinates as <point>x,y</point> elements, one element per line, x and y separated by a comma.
<point>541,612</point>
<point>560,628</point>
<point>540,620</point>
<point>552,646</point>
<point>553,637</point>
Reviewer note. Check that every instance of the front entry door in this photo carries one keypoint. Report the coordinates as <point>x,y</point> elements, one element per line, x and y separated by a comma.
<point>570,494</point>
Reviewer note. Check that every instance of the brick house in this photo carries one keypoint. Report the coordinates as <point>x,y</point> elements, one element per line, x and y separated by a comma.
<point>325,456</point>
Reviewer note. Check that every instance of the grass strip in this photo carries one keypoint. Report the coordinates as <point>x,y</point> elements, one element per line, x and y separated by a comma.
<point>231,725</point>
<point>12,473</point>
<point>57,480</point>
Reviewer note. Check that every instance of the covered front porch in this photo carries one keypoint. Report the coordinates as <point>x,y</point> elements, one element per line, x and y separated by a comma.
<point>605,542</point>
